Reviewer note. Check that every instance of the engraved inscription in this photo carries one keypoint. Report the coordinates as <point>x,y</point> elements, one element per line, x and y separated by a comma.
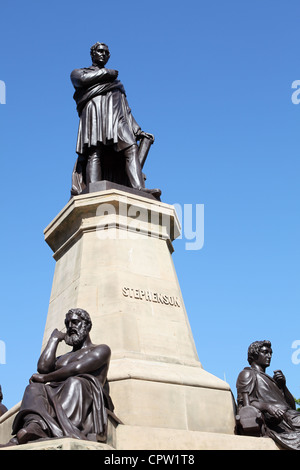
<point>149,296</point>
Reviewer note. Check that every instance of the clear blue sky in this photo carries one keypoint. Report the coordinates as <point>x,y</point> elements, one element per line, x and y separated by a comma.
<point>212,81</point>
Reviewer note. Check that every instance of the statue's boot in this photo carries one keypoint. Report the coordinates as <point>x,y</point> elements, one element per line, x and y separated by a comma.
<point>134,172</point>
<point>31,432</point>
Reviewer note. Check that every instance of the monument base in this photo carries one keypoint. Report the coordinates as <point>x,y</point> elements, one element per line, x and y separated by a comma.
<point>149,438</point>
<point>136,438</point>
<point>113,253</point>
<point>64,443</point>
<point>108,185</point>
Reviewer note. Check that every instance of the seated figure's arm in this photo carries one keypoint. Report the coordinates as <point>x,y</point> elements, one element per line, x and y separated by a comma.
<point>87,77</point>
<point>267,407</point>
<point>47,359</point>
<point>246,384</point>
<point>96,358</point>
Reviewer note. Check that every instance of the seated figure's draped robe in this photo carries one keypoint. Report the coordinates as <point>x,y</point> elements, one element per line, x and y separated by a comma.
<point>76,407</point>
<point>262,388</point>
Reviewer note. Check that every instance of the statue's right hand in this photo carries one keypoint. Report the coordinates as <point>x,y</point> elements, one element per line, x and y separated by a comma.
<point>56,334</point>
<point>39,378</point>
<point>275,411</point>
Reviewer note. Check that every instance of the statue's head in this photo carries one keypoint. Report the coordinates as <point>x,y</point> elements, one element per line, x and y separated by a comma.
<point>260,351</point>
<point>1,394</point>
<point>99,53</point>
<point>78,324</point>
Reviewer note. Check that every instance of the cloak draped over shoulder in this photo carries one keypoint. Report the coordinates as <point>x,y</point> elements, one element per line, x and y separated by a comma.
<point>105,116</point>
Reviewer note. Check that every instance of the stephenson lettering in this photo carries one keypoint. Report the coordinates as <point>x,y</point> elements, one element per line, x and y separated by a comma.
<point>149,296</point>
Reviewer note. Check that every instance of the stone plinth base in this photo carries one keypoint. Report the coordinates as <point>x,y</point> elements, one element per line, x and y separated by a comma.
<point>113,253</point>
<point>108,185</point>
<point>61,444</point>
<point>126,437</point>
<point>143,438</point>
<point>137,438</point>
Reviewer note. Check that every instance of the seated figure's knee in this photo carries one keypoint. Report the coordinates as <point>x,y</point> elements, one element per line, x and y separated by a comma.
<point>73,381</point>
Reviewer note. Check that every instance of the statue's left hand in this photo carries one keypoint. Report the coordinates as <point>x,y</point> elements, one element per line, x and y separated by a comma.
<point>279,378</point>
<point>140,134</point>
<point>40,378</point>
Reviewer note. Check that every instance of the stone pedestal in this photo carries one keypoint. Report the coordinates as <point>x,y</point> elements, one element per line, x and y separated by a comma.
<point>113,253</point>
<point>135,438</point>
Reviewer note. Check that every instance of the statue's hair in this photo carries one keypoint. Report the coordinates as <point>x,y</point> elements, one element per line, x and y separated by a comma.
<point>83,314</point>
<point>94,47</point>
<point>254,349</point>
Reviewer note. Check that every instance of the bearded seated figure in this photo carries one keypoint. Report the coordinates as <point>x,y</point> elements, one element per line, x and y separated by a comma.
<point>68,397</point>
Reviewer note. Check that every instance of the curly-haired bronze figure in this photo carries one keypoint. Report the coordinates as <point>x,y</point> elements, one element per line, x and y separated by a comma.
<point>265,405</point>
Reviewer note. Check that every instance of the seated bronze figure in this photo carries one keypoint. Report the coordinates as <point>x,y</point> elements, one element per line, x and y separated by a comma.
<point>68,397</point>
<point>3,408</point>
<point>265,405</point>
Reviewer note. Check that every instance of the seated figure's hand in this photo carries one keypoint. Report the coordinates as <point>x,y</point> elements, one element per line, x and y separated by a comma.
<point>58,335</point>
<point>275,411</point>
<point>279,378</point>
<point>40,378</point>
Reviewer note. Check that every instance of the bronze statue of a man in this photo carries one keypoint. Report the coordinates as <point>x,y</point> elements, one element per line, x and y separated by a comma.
<point>68,396</point>
<point>270,396</point>
<point>3,408</point>
<point>108,133</point>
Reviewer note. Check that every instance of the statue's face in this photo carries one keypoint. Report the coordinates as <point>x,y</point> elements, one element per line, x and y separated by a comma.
<point>100,55</point>
<point>76,329</point>
<point>264,357</point>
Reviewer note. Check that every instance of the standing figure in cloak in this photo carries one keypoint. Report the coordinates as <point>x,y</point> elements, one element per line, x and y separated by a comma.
<point>270,396</point>
<point>108,133</point>
<point>68,395</point>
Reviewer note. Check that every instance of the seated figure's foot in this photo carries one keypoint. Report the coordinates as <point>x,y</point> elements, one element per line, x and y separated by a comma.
<point>32,432</point>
